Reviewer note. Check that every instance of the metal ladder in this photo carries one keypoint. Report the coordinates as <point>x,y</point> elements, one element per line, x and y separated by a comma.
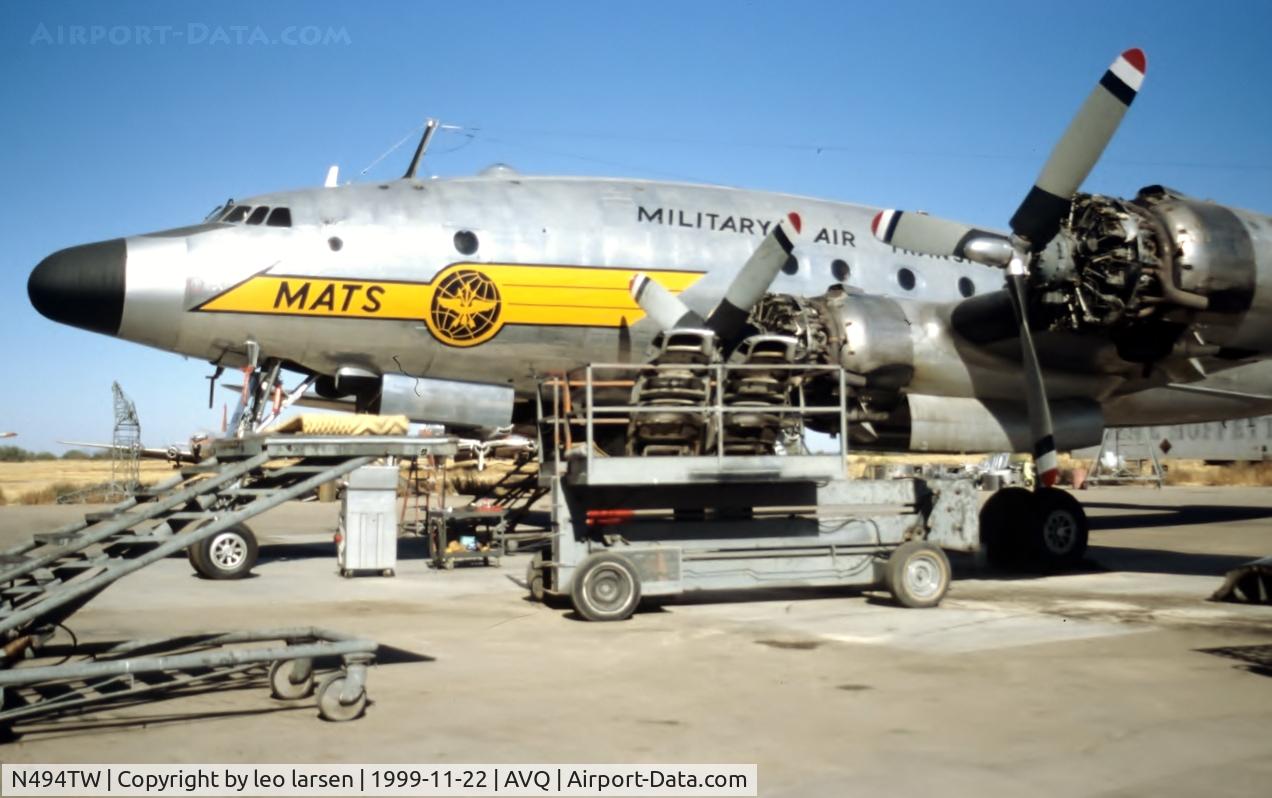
<point>516,492</point>
<point>44,581</point>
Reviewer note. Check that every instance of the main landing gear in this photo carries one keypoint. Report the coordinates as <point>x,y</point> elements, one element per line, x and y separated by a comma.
<point>1043,530</point>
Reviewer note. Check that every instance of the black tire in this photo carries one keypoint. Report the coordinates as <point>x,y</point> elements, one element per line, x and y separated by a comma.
<point>1059,533</point>
<point>605,588</point>
<point>918,574</point>
<point>228,554</point>
<point>1004,521</point>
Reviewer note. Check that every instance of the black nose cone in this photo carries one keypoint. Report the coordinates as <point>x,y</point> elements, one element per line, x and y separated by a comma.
<point>82,286</point>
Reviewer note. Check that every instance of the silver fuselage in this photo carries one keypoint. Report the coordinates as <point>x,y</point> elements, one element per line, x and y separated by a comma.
<point>304,292</point>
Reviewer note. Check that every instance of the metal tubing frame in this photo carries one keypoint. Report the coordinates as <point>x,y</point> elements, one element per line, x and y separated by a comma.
<point>355,652</point>
<point>183,539</point>
<point>148,511</point>
<point>716,410</point>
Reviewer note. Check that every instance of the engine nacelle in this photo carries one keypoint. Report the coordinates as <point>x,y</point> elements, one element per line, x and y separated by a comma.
<point>959,424</point>
<point>1210,253</point>
<point>1149,269</point>
<point>449,402</point>
<point>874,338</point>
<point>422,399</point>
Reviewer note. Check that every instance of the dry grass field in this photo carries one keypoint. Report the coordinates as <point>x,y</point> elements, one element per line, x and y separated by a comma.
<point>39,482</point>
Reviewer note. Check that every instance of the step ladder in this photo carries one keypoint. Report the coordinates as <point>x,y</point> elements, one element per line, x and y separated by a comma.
<point>47,579</point>
<point>515,493</point>
<point>1119,449</point>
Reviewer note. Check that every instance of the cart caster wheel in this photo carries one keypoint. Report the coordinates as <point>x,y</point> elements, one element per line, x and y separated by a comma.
<point>389,572</point>
<point>329,705</point>
<point>918,574</point>
<point>534,582</point>
<point>448,564</point>
<point>291,679</point>
<point>605,588</point>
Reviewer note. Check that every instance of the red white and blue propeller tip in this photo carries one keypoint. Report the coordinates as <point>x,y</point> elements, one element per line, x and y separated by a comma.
<point>1125,75</point>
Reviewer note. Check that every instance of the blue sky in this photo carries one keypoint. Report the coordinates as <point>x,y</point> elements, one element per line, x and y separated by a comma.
<point>131,117</point>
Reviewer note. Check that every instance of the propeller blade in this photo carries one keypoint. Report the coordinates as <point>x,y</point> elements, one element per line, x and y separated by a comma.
<point>754,279</point>
<point>931,235</point>
<point>664,307</point>
<point>1046,205</point>
<point>1040,427</point>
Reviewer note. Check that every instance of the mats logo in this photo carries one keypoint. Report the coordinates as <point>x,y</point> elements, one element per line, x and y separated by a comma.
<point>466,304</point>
<point>465,308</point>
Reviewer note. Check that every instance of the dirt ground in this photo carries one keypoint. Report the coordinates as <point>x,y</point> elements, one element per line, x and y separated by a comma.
<point>1119,679</point>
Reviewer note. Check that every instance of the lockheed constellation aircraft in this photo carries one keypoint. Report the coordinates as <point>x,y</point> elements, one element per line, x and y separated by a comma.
<point>443,299</point>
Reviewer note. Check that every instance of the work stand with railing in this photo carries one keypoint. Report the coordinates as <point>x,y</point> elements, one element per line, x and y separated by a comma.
<point>738,502</point>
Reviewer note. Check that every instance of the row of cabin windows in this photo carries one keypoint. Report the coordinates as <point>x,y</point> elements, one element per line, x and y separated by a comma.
<point>246,214</point>
<point>840,270</point>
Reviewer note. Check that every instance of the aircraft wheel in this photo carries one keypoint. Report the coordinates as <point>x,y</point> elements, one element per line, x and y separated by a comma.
<point>229,554</point>
<point>1059,533</point>
<point>605,588</point>
<point>1002,526</point>
<point>918,574</point>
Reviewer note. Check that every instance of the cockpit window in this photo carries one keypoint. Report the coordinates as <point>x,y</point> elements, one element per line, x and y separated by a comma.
<point>258,215</point>
<point>279,217</point>
<point>237,214</point>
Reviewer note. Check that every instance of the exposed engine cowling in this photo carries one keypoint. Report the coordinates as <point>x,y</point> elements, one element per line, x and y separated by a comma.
<point>868,335</point>
<point>1144,269</point>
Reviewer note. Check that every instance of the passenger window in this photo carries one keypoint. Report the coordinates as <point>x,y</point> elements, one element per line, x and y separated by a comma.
<point>258,215</point>
<point>237,214</point>
<point>839,269</point>
<point>466,242</point>
<point>966,287</point>
<point>791,266</point>
<point>905,278</point>
<point>279,217</point>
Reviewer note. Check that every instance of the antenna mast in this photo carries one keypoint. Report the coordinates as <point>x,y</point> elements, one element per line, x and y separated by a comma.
<point>429,129</point>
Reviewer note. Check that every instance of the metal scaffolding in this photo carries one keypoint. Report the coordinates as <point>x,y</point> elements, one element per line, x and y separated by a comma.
<point>125,459</point>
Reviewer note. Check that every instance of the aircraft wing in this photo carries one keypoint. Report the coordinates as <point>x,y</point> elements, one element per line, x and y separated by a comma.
<point>172,453</point>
